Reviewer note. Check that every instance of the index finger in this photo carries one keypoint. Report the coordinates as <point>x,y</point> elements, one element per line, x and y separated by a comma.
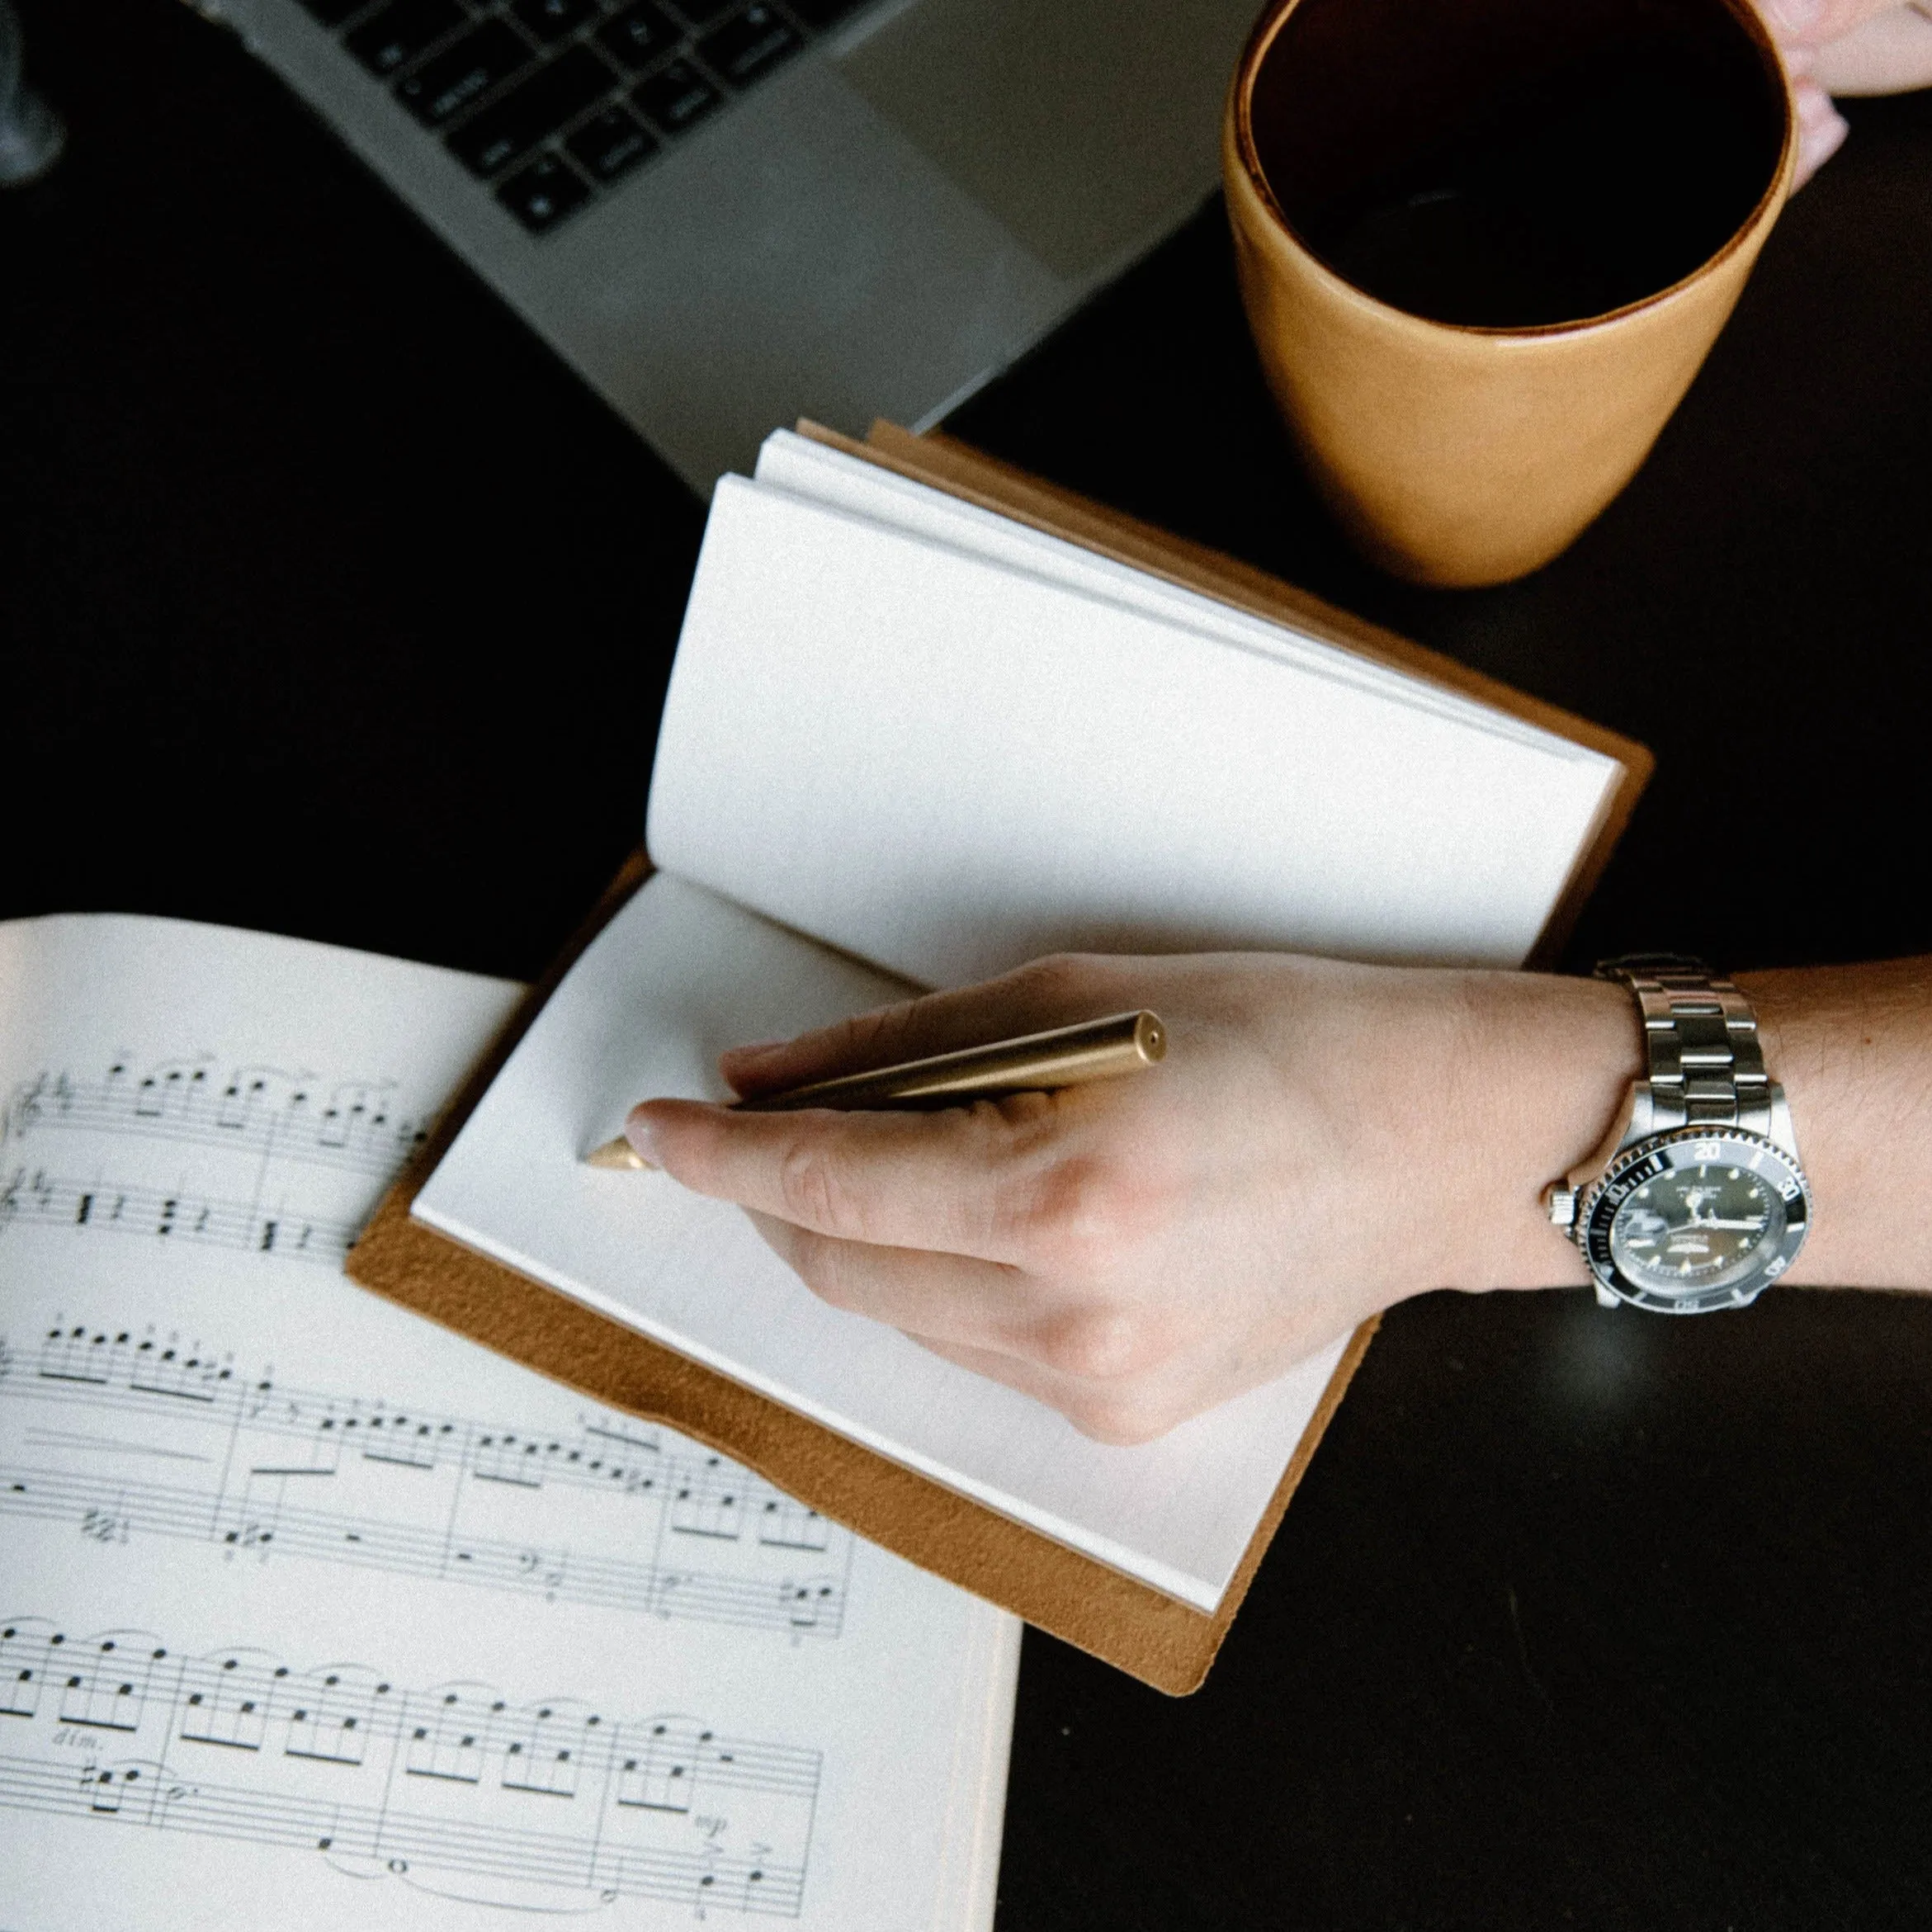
<point>1811,23</point>
<point>1890,54</point>
<point>964,1180</point>
<point>1046,992</point>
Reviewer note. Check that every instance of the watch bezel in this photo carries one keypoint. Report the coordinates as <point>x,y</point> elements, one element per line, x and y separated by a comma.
<point>1679,1148</point>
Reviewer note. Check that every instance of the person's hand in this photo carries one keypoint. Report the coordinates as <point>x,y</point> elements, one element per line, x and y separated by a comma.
<point>1847,47</point>
<point>1320,1141</point>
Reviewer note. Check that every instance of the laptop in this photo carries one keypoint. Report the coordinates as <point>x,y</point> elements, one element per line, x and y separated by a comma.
<point>725,214</point>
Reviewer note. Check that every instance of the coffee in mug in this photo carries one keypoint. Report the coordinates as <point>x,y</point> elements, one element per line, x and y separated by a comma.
<point>1484,245</point>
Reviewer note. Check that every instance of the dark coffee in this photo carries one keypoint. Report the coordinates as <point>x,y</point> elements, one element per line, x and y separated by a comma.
<point>1513,163</point>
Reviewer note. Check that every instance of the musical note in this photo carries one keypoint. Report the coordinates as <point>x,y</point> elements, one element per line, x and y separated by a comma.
<point>351,1125</point>
<point>441,1784</point>
<point>103,1689</point>
<point>279,1164</point>
<point>130,1435</point>
<point>292,1481</point>
<point>172,1215</point>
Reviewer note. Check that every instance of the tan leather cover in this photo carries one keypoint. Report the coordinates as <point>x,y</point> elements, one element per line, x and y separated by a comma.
<point>1163,1642</point>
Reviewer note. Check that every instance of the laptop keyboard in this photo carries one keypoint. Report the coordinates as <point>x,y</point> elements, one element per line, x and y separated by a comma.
<point>552,101</point>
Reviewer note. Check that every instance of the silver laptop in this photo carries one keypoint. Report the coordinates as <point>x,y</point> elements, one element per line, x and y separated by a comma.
<point>725,214</point>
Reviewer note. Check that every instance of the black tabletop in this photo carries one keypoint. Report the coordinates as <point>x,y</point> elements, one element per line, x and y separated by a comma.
<point>332,604</point>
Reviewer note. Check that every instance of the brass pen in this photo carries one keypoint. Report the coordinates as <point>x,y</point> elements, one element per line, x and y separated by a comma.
<point>1067,1056</point>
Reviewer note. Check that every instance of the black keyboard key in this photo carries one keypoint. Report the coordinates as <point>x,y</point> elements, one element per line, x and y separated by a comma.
<point>611,145</point>
<point>441,89</point>
<point>676,97</point>
<point>542,194</point>
<point>550,19</point>
<point>331,13</point>
<point>638,36</point>
<point>701,13</point>
<point>401,30</point>
<point>541,104</point>
<point>748,48</point>
<point>820,14</point>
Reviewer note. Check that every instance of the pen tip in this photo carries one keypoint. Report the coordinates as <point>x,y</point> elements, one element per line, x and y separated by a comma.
<point>617,1153</point>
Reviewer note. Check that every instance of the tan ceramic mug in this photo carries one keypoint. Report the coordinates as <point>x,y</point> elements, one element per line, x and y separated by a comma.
<point>1486,245</point>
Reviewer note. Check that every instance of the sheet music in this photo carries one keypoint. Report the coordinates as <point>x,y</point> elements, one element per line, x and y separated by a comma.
<point>380,1779</point>
<point>311,1614</point>
<point>137,1436</point>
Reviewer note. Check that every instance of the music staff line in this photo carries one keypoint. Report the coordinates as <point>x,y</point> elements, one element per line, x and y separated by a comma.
<point>455,1781</point>
<point>173,1442</point>
<point>339,1713</point>
<point>349,1125</point>
<point>174,1215</point>
<point>102,1368</point>
<point>114,1510</point>
<point>395,1841</point>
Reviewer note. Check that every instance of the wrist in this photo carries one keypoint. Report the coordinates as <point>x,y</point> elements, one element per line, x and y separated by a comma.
<point>1695,1199</point>
<point>1550,1061</point>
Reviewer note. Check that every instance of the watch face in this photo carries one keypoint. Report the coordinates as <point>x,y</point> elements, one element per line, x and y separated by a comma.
<point>1697,1227</point>
<point>1696,1220</point>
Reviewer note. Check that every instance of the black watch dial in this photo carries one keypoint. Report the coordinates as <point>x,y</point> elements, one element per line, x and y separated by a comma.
<point>1692,1228</point>
<point>1698,1220</point>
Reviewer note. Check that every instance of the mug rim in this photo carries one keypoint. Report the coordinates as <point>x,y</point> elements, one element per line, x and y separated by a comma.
<point>1240,107</point>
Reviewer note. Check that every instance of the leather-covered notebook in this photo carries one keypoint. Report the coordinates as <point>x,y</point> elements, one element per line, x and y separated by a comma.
<point>930,718</point>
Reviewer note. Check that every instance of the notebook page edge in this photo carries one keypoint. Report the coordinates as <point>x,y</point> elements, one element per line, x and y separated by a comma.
<point>982,1744</point>
<point>959,468</point>
<point>796,460</point>
<point>999,1705</point>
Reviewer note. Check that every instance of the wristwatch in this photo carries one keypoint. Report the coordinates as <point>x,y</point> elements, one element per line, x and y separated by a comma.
<point>1696,1200</point>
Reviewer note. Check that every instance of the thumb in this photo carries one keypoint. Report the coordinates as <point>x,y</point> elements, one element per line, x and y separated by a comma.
<point>1821,130</point>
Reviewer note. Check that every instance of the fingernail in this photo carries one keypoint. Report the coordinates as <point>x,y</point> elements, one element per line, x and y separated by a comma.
<point>1793,17</point>
<point>755,1049</point>
<point>637,1130</point>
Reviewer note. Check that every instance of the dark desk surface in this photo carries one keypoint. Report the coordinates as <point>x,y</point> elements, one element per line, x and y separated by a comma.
<point>333,605</point>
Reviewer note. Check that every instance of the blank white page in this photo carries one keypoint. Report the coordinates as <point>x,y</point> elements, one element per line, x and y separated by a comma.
<point>676,976</point>
<point>801,467</point>
<point>949,768</point>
